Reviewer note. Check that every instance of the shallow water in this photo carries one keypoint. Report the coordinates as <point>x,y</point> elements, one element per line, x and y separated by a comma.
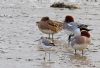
<point>19,37</point>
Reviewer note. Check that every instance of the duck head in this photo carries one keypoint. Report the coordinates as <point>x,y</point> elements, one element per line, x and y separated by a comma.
<point>69,19</point>
<point>43,19</point>
<point>85,33</point>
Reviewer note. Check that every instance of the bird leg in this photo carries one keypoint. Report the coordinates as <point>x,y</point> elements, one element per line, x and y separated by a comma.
<point>49,36</point>
<point>82,52</point>
<point>49,55</point>
<point>52,38</point>
<point>69,38</point>
<point>75,51</point>
<point>52,41</point>
<point>45,56</point>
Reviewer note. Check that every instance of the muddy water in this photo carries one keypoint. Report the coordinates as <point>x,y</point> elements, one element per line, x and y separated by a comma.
<point>19,38</point>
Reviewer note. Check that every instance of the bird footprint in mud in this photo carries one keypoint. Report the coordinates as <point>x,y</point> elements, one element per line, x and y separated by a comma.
<point>1,51</point>
<point>29,59</point>
<point>9,58</point>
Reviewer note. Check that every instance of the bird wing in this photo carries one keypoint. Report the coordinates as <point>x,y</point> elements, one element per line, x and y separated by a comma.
<point>55,26</point>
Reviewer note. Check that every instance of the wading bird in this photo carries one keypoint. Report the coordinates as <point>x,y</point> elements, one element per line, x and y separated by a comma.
<point>50,27</point>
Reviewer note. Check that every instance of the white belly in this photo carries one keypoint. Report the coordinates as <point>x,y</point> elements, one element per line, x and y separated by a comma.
<point>47,31</point>
<point>77,32</point>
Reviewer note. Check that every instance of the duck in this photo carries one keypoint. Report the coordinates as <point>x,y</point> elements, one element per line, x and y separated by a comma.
<point>71,26</point>
<point>49,27</point>
<point>81,42</point>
